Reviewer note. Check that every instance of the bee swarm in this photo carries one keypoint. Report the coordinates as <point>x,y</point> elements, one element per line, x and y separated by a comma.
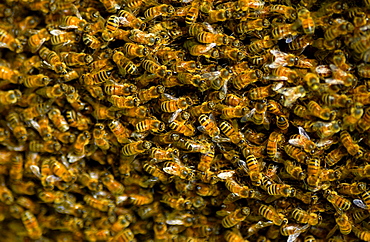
<point>151,120</point>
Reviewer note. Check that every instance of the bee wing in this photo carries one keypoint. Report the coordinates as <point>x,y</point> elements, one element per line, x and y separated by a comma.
<point>275,78</point>
<point>174,115</point>
<point>294,236</point>
<point>208,48</point>
<point>209,27</point>
<point>211,75</point>
<point>225,175</point>
<point>36,170</point>
<point>57,32</point>
<point>360,203</point>
<point>332,231</point>
<point>223,89</point>
<point>35,125</point>
<point>169,97</point>
<point>73,158</point>
<point>218,139</point>
<point>323,70</point>
<point>53,178</point>
<point>290,39</point>
<point>277,86</point>
<point>246,117</point>
<point>202,129</point>
<point>123,21</point>
<point>174,222</point>
<point>172,170</point>
<point>303,133</point>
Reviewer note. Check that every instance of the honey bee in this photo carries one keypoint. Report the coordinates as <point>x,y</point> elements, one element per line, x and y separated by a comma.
<point>234,187</point>
<point>127,19</point>
<point>247,77</point>
<point>294,171</point>
<point>178,169</point>
<point>163,155</point>
<point>304,217</point>
<point>295,153</point>
<point>159,10</point>
<point>43,128</point>
<point>234,112</point>
<point>57,197</point>
<point>302,140</point>
<point>351,147</point>
<point>175,105</point>
<point>233,134</point>
<point>95,78</point>
<point>37,40</point>
<point>17,126</point>
<point>180,66</point>
<point>113,88</point>
<point>326,129</point>
<point>259,45</point>
<point>281,190</point>
<point>283,31</point>
<point>101,204</point>
<point>115,187</point>
<point>166,138</point>
<point>82,140</point>
<point>153,125</point>
<point>260,93</point>
<point>31,224</point>
<point>136,148</point>
<point>77,120</point>
<point>92,41</point>
<point>58,120</point>
<point>146,95</point>
<point>90,181</point>
<point>8,41</point>
<point>119,131</point>
<point>343,223</point>
<point>39,80</point>
<point>258,115</point>
<point>361,233</point>
<point>340,203</point>
<point>235,217</point>
<point>75,59</point>
<point>16,168</point>
<point>287,11</point>
<point>306,21</point>
<point>121,223</point>
<point>245,27</point>
<point>291,94</point>
<point>355,188</point>
<point>72,22</point>
<point>275,139</point>
<point>208,38</point>
<point>219,15</point>
<point>254,169</point>
<point>356,112</point>
<point>155,171</point>
<point>53,60</point>
<point>208,125</point>
<point>10,75</point>
<point>124,102</point>
<point>178,203</point>
<point>155,68</point>
<point>133,50</point>
<point>337,29</point>
<point>137,112</point>
<point>270,213</point>
<point>10,97</point>
<point>364,123</point>
<point>61,38</point>
<point>125,66</point>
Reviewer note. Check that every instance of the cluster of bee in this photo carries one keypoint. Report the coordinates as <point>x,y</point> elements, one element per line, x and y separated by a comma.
<point>151,120</point>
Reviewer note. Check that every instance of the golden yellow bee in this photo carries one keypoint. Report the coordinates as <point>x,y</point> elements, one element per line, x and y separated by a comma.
<point>114,186</point>
<point>8,41</point>
<point>306,20</point>
<point>326,129</point>
<point>304,217</point>
<point>284,190</point>
<point>75,59</point>
<point>125,65</point>
<point>283,31</point>
<point>270,213</point>
<point>343,222</point>
<point>294,170</point>
<point>246,78</point>
<point>37,40</point>
<point>275,139</point>
<point>159,10</point>
<point>132,50</point>
<point>17,126</point>
<point>92,41</point>
<point>233,134</point>
<point>125,89</point>
<point>95,78</point>
<point>127,19</point>
<point>340,203</point>
<point>124,102</point>
<point>135,148</point>
<point>338,29</point>
<point>58,120</point>
<point>153,67</point>
<point>206,50</point>
<point>90,181</point>
<point>351,147</point>
<point>219,15</point>
<point>31,224</point>
<point>61,38</point>
<point>101,204</point>
<point>146,95</point>
<point>10,97</point>
<point>153,125</point>
<point>355,188</point>
<point>235,217</point>
<point>178,203</point>
<point>53,59</point>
